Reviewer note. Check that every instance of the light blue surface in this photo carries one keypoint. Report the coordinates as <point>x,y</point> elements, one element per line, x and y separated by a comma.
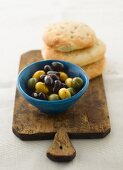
<point>51,107</point>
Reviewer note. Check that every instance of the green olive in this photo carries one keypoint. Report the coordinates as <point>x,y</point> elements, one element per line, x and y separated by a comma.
<point>41,87</point>
<point>31,83</point>
<point>38,73</point>
<point>72,91</point>
<point>53,97</point>
<point>77,83</point>
<point>63,76</point>
<point>69,82</point>
<point>64,93</point>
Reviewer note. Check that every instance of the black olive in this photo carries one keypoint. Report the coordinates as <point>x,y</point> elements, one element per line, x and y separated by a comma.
<point>50,89</point>
<point>63,85</point>
<point>48,81</point>
<point>42,96</point>
<point>42,78</point>
<point>53,72</point>
<point>47,68</point>
<point>55,90</point>
<point>57,83</point>
<point>57,66</point>
<point>54,76</point>
<point>57,86</point>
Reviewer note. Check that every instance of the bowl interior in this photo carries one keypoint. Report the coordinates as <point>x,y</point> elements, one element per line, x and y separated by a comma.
<point>71,69</point>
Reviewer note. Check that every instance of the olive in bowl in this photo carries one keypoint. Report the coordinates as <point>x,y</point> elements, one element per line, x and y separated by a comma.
<point>49,91</point>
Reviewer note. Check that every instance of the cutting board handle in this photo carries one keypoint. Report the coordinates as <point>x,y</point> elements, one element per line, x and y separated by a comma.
<point>61,149</point>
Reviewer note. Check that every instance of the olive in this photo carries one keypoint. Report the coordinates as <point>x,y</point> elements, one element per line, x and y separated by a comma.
<point>55,90</point>
<point>48,80</point>
<point>35,95</point>
<point>31,83</point>
<point>64,93</point>
<point>63,76</point>
<point>42,96</point>
<point>69,82</point>
<point>53,97</point>
<point>42,78</point>
<point>47,68</point>
<point>57,86</point>
<point>50,89</point>
<point>53,72</point>
<point>57,66</point>
<point>54,76</point>
<point>63,85</point>
<point>77,83</point>
<point>41,87</point>
<point>38,73</point>
<point>72,91</point>
<point>57,83</point>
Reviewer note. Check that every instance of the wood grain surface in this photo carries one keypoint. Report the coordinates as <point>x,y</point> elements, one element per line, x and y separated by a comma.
<point>88,118</point>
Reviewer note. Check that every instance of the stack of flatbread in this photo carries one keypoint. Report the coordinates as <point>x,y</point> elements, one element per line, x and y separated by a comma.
<point>77,43</point>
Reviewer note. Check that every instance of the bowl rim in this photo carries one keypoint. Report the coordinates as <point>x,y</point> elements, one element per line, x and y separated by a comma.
<point>82,91</point>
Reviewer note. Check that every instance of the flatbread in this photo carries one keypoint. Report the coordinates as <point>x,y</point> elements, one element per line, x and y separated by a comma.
<point>95,69</point>
<point>69,36</point>
<point>79,57</point>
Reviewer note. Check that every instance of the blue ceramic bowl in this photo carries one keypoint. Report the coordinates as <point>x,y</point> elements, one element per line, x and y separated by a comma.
<point>51,107</point>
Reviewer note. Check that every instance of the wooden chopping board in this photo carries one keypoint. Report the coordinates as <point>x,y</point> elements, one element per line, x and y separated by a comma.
<point>88,118</point>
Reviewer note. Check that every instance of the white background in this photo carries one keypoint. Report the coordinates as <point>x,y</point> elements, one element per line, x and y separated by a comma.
<point>21,25</point>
